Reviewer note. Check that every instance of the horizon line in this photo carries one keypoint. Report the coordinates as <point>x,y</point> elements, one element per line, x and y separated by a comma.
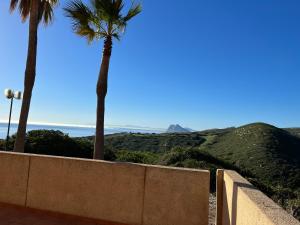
<point>85,125</point>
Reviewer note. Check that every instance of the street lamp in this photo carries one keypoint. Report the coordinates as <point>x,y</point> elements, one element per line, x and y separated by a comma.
<point>10,94</point>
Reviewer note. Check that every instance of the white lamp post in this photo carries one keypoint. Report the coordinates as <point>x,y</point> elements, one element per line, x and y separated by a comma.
<point>10,94</point>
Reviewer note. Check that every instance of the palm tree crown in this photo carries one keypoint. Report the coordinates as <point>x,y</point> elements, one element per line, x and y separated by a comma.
<point>103,18</point>
<point>45,9</point>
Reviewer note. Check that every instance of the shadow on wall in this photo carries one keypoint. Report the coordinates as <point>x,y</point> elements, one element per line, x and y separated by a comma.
<point>230,217</point>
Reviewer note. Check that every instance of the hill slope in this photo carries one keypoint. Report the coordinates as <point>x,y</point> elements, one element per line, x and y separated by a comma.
<point>152,142</point>
<point>293,131</point>
<point>270,153</point>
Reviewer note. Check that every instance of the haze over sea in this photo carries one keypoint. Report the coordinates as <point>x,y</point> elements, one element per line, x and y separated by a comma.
<point>76,131</point>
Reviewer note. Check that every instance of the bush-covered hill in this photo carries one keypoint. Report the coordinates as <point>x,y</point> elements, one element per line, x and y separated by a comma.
<point>152,142</point>
<point>270,153</point>
<point>293,131</point>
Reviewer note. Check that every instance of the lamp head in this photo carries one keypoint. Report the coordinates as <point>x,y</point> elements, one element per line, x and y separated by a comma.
<point>18,95</point>
<point>9,93</point>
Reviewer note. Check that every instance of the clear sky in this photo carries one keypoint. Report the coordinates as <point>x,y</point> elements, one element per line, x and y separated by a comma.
<point>202,64</point>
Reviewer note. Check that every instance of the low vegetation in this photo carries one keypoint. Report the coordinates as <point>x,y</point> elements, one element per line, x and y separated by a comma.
<point>267,156</point>
<point>156,143</point>
<point>50,142</point>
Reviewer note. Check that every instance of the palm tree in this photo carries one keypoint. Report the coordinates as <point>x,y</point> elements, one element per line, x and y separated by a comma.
<point>37,11</point>
<point>100,19</point>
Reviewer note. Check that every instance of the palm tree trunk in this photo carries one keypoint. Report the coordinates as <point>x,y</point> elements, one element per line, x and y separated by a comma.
<point>29,76</point>
<point>101,93</point>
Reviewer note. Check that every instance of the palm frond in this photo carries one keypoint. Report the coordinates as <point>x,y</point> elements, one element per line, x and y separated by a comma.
<point>101,19</point>
<point>133,11</point>
<point>118,5</point>
<point>13,5</point>
<point>116,36</point>
<point>24,8</point>
<point>102,9</point>
<point>86,31</point>
<point>46,11</point>
<point>82,19</point>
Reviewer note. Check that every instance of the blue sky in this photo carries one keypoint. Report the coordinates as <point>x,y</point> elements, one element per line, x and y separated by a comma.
<point>202,64</point>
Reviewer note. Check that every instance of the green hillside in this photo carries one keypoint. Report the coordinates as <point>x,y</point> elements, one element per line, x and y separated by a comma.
<point>294,131</point>
<point>269,153</point>
<point>152,142</point>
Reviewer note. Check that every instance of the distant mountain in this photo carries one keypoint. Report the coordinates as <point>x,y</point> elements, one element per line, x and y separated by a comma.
<point>176,128</point>
<point>189,129</point>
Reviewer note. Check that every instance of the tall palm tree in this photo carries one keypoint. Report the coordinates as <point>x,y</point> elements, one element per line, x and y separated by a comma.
<point>102,19</point>
<point>37,11</point>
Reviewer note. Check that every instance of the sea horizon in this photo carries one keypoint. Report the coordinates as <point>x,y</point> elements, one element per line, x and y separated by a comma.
<point>77,130</point>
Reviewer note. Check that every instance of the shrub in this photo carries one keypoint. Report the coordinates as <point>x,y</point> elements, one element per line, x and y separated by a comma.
<point>53,142</point>
<point>136,157</point>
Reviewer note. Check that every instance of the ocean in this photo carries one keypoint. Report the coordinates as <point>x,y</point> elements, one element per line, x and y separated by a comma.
<point>74,131</point>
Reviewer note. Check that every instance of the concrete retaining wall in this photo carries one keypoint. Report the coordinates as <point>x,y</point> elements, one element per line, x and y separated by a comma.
<point>176,197</point>
<point>118,192</point>
<point>240,203</point>
<point>14,171</point>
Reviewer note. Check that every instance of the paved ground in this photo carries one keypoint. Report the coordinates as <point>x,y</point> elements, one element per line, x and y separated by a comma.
<point>14,215</point>
<point>212,209</point>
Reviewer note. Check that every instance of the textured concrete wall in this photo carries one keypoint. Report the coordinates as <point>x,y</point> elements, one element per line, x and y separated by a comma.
<point>176,196</point>
<point>243,204</point>
<point>13,178</point>
<point>94,189</point>
<point>119,192</point>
